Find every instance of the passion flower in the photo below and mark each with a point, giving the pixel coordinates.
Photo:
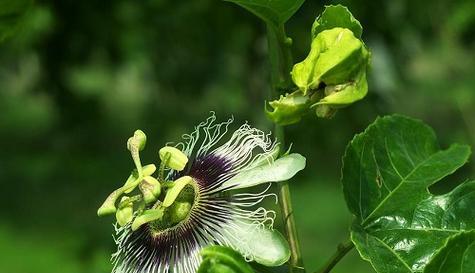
(198, 205)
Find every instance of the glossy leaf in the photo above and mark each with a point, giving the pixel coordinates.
(221, 259)
(399, 225)
(336, 16)
(275, 12)
(458, 256)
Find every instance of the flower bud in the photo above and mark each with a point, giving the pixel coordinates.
(125, 212)
(336, 57)
(150, 188)
(173, 158)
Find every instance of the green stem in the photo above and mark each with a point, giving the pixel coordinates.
(281, 65)
(342, 250)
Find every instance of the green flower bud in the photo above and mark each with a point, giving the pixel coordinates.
(336, 57)
(289, 109)
(125, 212)
(173, 158)
(150, 188)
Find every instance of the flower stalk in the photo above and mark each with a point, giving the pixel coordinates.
(281, 63)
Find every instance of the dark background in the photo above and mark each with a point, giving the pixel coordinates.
(78, 77)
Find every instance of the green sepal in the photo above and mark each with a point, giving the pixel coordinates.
(336, 16)
(336, 57)
(221, 259)
(343, 94)
(288, 109)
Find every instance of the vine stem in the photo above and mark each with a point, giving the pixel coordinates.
(281, 64)
(341, 251)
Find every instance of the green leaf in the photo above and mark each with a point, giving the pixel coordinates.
(221, 259)
(275, 12)
(387, 169)
(458, 256)
(336, 16)
(281, 169)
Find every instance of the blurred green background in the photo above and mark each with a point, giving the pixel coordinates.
(77, 77)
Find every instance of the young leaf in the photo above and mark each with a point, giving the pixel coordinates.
(274, 12)
(458, 256)
(387, 169)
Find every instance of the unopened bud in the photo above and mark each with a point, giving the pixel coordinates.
(336, 57)
(173, 158)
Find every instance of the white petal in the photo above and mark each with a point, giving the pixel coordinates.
(265, 246)
(282, 169)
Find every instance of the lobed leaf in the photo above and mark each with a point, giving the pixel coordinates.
(399, 224)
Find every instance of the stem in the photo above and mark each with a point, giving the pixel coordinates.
(341, 251)
(281, 65)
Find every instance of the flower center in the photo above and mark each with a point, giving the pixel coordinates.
(177, 213)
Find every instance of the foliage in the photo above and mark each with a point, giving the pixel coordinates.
(79, 76)
(387, 169)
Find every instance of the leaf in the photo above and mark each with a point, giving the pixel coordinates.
(387, 169)
(458, 256)
(275, 12)
(221, 259)
(336, 16)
